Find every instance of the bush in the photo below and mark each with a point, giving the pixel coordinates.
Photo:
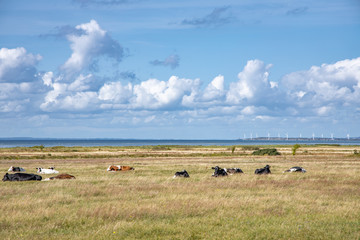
(294, 148)
(266, 151)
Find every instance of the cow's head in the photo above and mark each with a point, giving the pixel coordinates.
(6, 177)
(267, 166)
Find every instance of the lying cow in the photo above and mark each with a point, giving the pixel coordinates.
(233, 170)
(50, 170)
(16, 169)
(296, 169)
(184, 174)
(21, 177)
(219, 172)
(265, 170)
(114, 168)
(61, 176)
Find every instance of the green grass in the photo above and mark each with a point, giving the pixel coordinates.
(149, 204)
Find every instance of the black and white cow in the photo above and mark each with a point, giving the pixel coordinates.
(50, 170)
(219, 172)
(16, 169)
(184, 174)
(296, 169)
(21, 177)
(265, 170)
(233, 170)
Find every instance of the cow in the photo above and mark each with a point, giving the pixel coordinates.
(296, 169)
(233, 170)
(50, 170)
(265, 170)
(21, 177)
(114, 168)
(61, 176)
(16, 169)
(184, 174)
(219, 172)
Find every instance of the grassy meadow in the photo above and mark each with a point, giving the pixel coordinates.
(148, 203)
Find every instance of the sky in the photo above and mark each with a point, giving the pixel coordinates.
(191, 69)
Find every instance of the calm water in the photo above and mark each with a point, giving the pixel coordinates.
(122, 142)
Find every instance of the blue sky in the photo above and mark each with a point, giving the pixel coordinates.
(190, 69)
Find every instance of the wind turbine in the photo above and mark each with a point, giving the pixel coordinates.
(348, 136)
(332, 136)
(268, 136)
(313, 135)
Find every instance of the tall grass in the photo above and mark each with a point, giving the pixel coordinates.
(149, 204)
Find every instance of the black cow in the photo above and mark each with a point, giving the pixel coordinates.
(219, 172)
(296, 169)
(233, 170)
(265, 170)
(21, 177)
(184, 174)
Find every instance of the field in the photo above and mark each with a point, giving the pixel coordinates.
(148, 203)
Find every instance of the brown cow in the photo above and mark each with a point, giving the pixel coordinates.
(61, 176)
(114, 168)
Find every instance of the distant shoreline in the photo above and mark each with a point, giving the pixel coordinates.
(52, 142)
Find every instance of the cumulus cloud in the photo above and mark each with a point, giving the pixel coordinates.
(215, 90)
(155, 94)
(171, 61)
(115, 92)
(318, 92)
(337, 83)
(253, 84)
(89, 43)
(219, 16)
(16, 65)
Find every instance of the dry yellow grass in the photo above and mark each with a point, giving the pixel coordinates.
(149, 204)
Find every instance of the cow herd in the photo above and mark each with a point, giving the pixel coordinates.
(20, 176)
(218, 172)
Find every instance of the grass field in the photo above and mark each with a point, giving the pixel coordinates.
(148, 203)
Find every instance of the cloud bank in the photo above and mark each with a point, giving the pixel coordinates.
(321, 91)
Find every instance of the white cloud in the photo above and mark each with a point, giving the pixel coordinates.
(337, 83)
(249, 110)
(155, 94)
(91, 43)
(16, 65)
(252, 85)
(323, 111)
(215, 89)
(116, 92)
(81, 83)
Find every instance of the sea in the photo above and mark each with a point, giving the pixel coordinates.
(31, 142)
